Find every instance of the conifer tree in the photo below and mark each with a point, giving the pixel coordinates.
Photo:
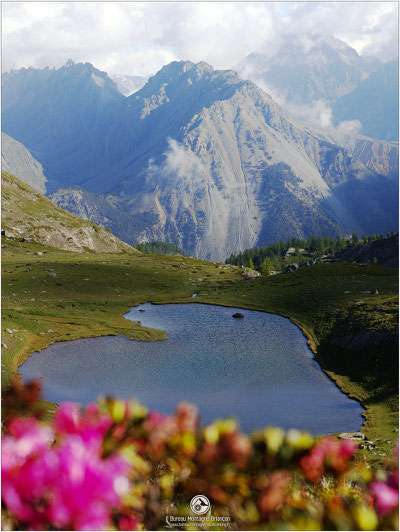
(266, 267)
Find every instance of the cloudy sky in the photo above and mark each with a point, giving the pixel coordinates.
(138, 38)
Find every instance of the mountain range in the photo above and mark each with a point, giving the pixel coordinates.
(198, 157)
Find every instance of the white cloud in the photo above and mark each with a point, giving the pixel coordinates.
(139, 38)
(179, 162)
(369, 27)
(350, 126)
(318, 113)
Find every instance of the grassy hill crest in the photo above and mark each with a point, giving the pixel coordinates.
(27, 214)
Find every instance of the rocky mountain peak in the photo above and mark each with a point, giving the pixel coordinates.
(186, 73)
(182, 89)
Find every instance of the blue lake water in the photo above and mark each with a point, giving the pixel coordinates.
(258, 369)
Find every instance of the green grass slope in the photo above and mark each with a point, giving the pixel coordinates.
(27, 214)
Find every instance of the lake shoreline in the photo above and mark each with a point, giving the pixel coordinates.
(209, 322)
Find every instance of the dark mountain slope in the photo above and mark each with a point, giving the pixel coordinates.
(63, 117)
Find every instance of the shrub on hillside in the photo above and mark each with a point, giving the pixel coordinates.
(116, 465)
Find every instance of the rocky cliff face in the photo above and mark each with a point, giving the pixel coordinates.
(17, 160)
(29, 215)
(203, 159)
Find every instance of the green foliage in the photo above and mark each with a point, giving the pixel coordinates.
(266, 267)
(157, 247)
(300, 251)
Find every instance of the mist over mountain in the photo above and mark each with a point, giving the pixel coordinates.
(198, 157)
(307, 68)
(324, 81)
(128, 85)
(375, 102)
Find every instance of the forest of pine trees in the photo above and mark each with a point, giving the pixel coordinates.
(304, 251)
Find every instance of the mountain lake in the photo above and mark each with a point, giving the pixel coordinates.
(258, 369)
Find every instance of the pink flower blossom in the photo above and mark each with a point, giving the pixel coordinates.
(66, 485)
(329, 453)
(91, 427)
(386, 493)
(128, 523)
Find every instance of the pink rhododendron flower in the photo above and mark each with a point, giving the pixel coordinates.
(128, 523)
(155, 418)
(91, 427)
(23, 467)
(68, 484)
(386, 493)
(327, 453)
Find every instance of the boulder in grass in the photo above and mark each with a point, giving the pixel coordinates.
(352, 436)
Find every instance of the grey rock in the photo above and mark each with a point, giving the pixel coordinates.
(248, 273)
(351, 436)
(52, 274)
(292, 267)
